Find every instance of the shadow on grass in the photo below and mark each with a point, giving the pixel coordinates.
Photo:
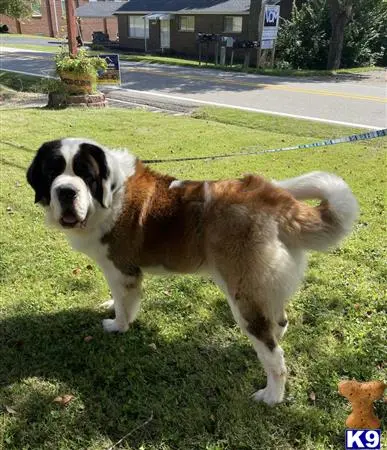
(194, 379)
(189, 385)
(118, 380)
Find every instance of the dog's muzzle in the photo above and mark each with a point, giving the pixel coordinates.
(67, 196)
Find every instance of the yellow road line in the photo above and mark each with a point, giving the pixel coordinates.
(260, 85)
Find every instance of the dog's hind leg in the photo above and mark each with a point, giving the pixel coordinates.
(257, 293)
(262, 332)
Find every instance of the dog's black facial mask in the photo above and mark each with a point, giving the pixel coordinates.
(45, 167)
(90, 164)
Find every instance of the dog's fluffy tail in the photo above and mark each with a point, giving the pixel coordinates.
(326, 225)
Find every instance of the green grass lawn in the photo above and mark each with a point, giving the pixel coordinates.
(35, 47)
(29, 36)
(52, 48)
(184, 363)
(151, 59)
(20, 82)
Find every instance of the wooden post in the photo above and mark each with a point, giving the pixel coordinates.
(246, 63)
(259, 53)
(145, 38)
(222, 55)
(18, 26)
(71, 27)
(49, 18)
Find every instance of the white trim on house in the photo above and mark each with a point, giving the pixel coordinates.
(159, 16)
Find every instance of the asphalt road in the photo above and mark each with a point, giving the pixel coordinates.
(10, 39)
(359, 100)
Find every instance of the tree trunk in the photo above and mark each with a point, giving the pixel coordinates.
(340, 13)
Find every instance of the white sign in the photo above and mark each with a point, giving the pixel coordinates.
(270, 22)
(267, 44)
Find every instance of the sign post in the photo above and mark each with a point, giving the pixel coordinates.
(269, 31)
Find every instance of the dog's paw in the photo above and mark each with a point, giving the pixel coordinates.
(112, 326)
(268, 396)
(109, 305)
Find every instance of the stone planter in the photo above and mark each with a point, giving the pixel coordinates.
(91, 100)
(85, 100)
(79, 83)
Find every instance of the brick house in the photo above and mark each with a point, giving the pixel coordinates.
(173, 25)
(49, 19)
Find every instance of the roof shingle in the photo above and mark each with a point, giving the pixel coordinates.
(98, 9)
(186, 6)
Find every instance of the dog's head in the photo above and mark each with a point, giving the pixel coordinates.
(73, 179)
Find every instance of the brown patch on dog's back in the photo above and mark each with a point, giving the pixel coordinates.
(158, 226)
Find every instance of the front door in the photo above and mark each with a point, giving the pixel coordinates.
(165, 33)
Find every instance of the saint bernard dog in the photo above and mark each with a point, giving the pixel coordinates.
(249, 235)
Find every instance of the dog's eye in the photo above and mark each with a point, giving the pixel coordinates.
(89, 179)
(50, 174)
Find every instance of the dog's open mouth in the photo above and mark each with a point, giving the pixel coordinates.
(70, 220)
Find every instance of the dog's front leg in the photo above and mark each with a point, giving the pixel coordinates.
(126, 292)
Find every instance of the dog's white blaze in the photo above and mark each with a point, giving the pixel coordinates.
(82, 202)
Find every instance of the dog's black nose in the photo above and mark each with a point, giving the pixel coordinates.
(66, 194)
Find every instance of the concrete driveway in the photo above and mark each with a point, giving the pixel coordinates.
(358, 100)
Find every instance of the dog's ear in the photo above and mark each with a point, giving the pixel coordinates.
(40, 174)
(35, 178)
(98, 165)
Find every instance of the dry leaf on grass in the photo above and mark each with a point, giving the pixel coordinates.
(88, 338)
(76, 271)
(63, 400)
(10, 410)
(312, 396)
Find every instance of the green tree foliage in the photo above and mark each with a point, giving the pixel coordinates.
(366, 34)
(303, 41)
(18, 9)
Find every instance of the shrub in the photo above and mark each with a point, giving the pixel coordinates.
(97, 47)
(79, 64)
(303, 40)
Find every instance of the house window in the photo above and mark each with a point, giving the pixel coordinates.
(136, 27)
(63, 4)
(36, 8)
(233, 24)
(187, 23)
